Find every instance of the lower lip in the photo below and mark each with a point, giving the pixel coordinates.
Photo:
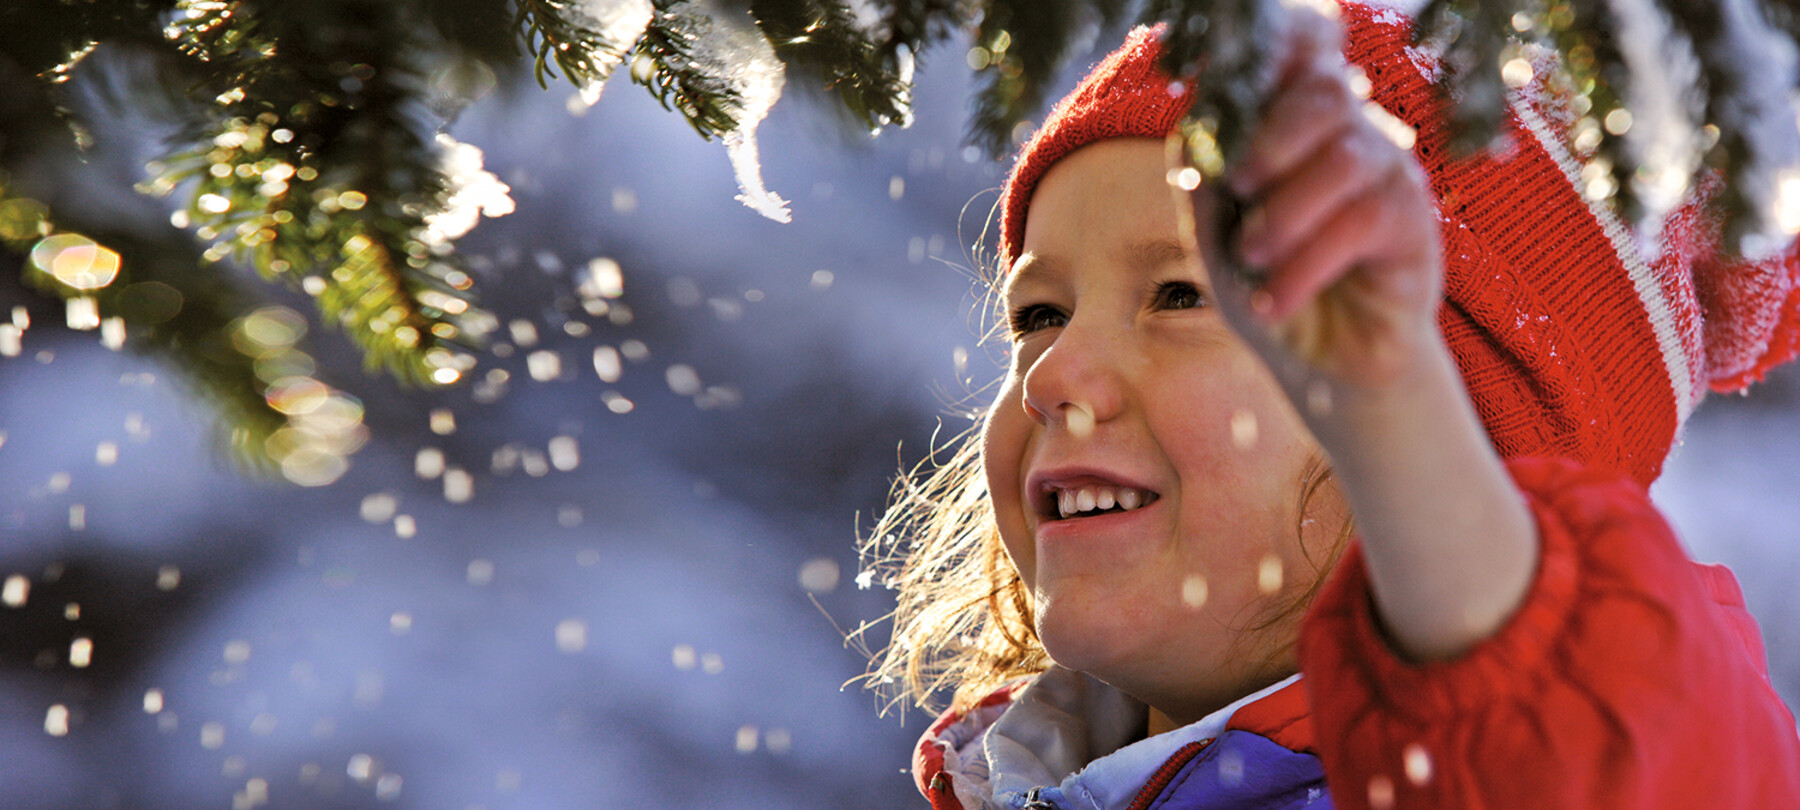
(1098, 527)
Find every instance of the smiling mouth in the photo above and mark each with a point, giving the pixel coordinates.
(1091, 501)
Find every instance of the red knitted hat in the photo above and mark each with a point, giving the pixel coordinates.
(1570, 340)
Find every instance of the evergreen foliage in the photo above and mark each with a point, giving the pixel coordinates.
(820, 38)
(554, 31)
(314, 169)
(666, 63)
(309, 146)
(168, 309)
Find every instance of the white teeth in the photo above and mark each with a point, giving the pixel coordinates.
(1071, 502)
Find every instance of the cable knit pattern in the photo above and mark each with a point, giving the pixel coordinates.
(1620, 682)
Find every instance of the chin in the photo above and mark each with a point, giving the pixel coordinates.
(1124, 640)
(1102, 639)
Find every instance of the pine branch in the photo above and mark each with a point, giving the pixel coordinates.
(478, 29)
(1733, 112)
(561, 31)
(667, 63)
(917, 25)
(164, 310)
(311, 162)
(820, 37)
(1229, 44)
(1020, 45)
(1474, 37)
(1723, 111)
(48, 39)
(313, 172)
(1482, 42)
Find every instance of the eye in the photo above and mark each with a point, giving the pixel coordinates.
(1032, 317)
(1179, 295)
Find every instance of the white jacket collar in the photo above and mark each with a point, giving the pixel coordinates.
(1068, 730)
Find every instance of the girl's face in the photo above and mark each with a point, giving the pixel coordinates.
(1128, 390)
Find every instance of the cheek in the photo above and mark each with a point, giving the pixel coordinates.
(1003, 437)
(1209, 428)
(1239, 459)
(1223, 415)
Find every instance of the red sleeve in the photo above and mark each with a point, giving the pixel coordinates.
(1630, 677)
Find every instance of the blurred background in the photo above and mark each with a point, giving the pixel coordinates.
(614, 571)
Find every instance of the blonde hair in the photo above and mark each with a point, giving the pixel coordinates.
(963, 620)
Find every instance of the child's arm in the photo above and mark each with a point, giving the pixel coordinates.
(1630, 677)
(1340, 218)
(1588, 662)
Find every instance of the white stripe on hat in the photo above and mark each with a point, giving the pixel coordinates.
(1657, 307)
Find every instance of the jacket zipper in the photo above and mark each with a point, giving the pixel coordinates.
(1154, 787)
(1166, 774)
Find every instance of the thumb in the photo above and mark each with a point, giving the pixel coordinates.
(1215, 215)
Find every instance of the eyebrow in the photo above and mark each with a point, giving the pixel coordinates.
(1152, 254)
(1146, 255)
(1026, 268)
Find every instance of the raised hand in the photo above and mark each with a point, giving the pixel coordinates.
(1333, 231)
(1322, 249)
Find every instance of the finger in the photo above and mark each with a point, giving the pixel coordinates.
(1412, 243)
(1340, 244)
(1293, 206)
(1297, 121)
(1315, 42)
(1312, 49)
(1215, 214)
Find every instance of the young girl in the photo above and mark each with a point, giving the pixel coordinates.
(1138, 576)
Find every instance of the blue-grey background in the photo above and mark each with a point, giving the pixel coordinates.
(346, 666)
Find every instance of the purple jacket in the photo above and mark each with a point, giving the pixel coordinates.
(1059, 742)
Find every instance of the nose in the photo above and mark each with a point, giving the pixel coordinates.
(1077, 382)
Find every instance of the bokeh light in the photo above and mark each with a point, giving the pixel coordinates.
(76, 261)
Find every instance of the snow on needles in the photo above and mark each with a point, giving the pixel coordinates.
(727, 45)
(1666, 133)
(1765, 62)
(618, 21)
(734, 49)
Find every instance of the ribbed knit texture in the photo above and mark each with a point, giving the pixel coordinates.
(1570, 341)
(1125, 96)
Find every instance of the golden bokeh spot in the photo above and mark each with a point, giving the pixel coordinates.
(271, 328)
(76, 261)
(297, 395)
